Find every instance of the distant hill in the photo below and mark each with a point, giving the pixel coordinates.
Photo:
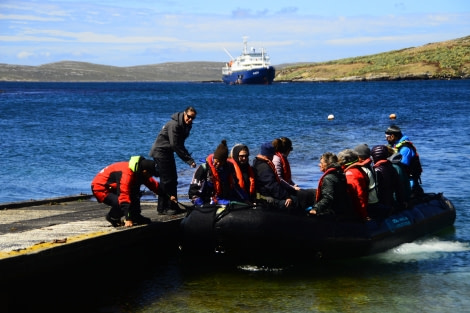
(70, 71)
(441, 60)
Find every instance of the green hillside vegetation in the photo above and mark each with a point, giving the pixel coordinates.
(442, 60)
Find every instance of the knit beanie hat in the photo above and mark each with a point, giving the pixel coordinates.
(379, 153)
(267, 149)
(362, 151)
(148, 165)
(221, 153)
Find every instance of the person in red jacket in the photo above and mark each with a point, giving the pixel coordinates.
(358, 182)
(118, 185)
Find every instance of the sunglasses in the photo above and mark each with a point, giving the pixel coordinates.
(191, 117)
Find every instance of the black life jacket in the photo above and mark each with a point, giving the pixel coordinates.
(414, 169)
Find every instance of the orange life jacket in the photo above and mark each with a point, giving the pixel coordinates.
(217, 182)
(271, 164)
(286, 173)
(241, 181)
(320, 182)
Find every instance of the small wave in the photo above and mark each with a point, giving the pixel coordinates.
(420, 250)
(257, 268)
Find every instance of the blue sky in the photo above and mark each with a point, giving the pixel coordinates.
(127, 33)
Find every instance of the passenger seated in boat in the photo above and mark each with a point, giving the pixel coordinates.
(240, 158)
(268, 185)
(215, 181)
(283, 147)
(363, 155)
(389, 188)
(402, 144)
(331, 196)
(358, 182)
(395, 158)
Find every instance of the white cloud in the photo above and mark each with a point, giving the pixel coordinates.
(24, 54)
(143, 32)
(32, 18)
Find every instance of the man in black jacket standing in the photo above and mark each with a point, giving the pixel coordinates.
(169, 141)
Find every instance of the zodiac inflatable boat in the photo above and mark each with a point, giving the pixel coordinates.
(246, 232)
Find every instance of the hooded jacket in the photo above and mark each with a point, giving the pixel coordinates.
(244, 172)
(171, 139)
(124, 179)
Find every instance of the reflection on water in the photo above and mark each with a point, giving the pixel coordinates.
(413, 277)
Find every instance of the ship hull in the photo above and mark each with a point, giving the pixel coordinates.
(259, 76)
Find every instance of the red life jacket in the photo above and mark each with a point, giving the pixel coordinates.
(376, 164)
(320, 182)
(271, 164)
(286, 173)
(217, 182)
(241, 181)
(358, 188)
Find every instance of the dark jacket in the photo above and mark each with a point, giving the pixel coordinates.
(203, 184)
(389, 188)
(401, 170)
(171, 139)
(332, 195)
(267, 182)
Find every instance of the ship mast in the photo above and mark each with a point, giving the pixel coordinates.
(245, 44)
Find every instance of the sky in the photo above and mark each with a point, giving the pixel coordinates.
(144, 32)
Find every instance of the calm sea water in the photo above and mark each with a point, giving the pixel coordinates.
(57, 136)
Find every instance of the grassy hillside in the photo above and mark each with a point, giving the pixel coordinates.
(441, 60)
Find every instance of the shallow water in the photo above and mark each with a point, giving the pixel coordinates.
(427, 276)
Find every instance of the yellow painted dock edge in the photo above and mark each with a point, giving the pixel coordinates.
(51, 244)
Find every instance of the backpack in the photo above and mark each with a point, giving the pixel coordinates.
(415, 169)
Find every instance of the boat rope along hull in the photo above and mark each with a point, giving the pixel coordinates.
(246, 232)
